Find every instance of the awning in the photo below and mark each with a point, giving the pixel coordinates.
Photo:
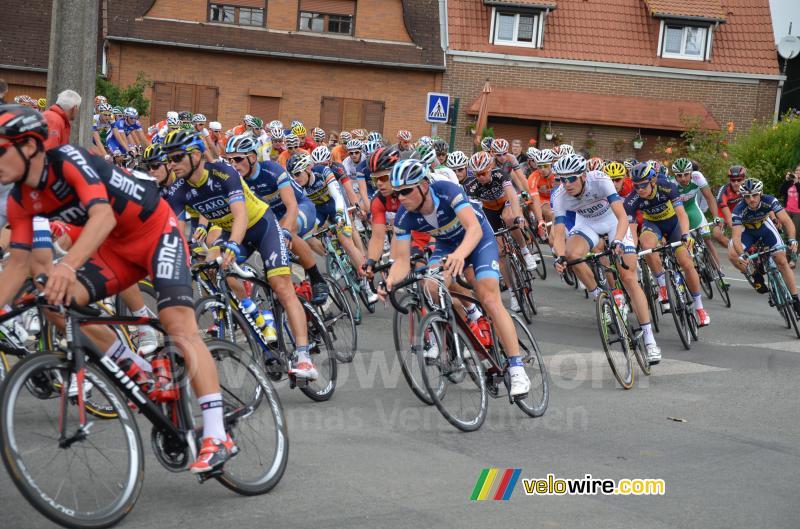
(595, 109)
(692, 9)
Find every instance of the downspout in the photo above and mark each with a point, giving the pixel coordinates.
(775, 116)
(444, 35)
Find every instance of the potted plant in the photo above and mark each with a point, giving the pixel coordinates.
(638, 141)
(548, 132)
(471, 129)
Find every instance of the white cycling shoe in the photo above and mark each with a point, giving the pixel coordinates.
(148, 340)
(530, 262)
(514, 303)
(520, 383)
(653, 353)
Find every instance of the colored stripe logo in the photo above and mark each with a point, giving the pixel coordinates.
(496, 484)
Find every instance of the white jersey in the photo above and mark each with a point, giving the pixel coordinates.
(699, 179)
(593, 203)
(446, 174)
(350, 168)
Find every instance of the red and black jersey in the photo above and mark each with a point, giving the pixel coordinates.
(72, 182)
(727, 197)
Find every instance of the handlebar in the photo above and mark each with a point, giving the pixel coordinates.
(592, 256)
(660, 249)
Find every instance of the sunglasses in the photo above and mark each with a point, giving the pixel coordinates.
(403, 192)
(153, 166)
(4, 147)
(544, 165)
(754, 195)
(237, 159)
(736, 180)
(176, 158)
(642, 185)
(565, 179)
(351, 153)
(381, 178)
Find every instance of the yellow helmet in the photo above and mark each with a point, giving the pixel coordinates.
(615, 170)
(42, 103)
(299, 131)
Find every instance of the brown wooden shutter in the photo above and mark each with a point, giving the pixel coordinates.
(332, 7)
(163, 100)
(330, 114)
(207, 98)
(266, 108)
(352, 114)
(260, 4)
(373, 116)
(184, 97)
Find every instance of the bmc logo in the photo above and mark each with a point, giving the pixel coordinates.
(126, 185)
(168, 257)
(73, 215)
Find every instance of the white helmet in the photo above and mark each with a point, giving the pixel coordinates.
(531, 153)
(457, 160)
(215, 125)
(321, 155)
(172, 114)
(565, 149)
(570, 164)
(544, 156)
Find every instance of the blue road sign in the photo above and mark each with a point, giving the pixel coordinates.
(438, 107)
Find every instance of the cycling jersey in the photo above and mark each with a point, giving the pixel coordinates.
(727, 197)
(267, 181)
(507, 163)
(339, 153)
(543, 186)
(491, 194)
(660, 206)
(383, 211)
(364, 177)
(284, 156)
(752, 219)
(308, 144)
(102, 128)
(688, 195)
(339, 172)
(125, 127)
(219, 187)
(323, 188)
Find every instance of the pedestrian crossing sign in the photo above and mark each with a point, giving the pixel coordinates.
(438, 107)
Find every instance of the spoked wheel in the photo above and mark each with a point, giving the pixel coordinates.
(528, 291)
(465, 400)
(516, 286)
(638, 346)
(677, 308)
(792, 318)
(615, 338)
(338, 318)
(569, 278)
(404, 328)
(536, 250)
(215, 320)
(692, 323)
(322, 351)
(719, 281)
(535, 404)
(96, 478)
(254, 417)
(650, 287)
(706, 279)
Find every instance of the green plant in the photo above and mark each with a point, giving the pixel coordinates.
(130, 96)
(705, 146)
(487, 132)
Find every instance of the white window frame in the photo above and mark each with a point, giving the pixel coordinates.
(538, 29)
(662, 35)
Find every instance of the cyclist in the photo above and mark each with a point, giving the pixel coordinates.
(540, 183)
(691, 186)
(295, 212)
(306, 143)
(292, 144)
(354, 166)
(508, 164)
(598, 211)
(728, 198)
(752, 223)
(125, 132)
(441, 148)
(322, 156)
(465, 237)
(339, 153)
(321, 187)
(101, 128)
(128, 233)
(404, 145)
(319, 136)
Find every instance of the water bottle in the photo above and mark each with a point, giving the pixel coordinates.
(619, 298)
(250, 308)
(163, 372)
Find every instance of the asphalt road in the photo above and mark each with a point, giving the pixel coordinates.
(374, 456)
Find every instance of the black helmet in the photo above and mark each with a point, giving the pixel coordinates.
(440, 146)
(182, 140)
(383, 159)
(298, 163)
(185, 115)
(737, 172)
(18, 122)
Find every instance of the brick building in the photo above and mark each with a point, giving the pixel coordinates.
(599, 72)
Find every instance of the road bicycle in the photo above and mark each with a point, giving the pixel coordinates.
(760, 261)
(520, 279)
(711, 276)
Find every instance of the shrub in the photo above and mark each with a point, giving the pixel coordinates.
(130, 96)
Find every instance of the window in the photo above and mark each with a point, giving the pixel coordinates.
(684, 42)
(338, 113)
(516, 29)
(324, 23)
(244, 13)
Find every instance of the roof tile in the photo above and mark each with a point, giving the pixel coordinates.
(708, 9)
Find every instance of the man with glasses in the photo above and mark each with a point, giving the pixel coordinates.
(404, 146)
(664, 217)
(752, 223)
(101, 129)
(355, 166)
(598, 211)
(292, 147)
(465, 237)
(508, 163)
(339, 152)
(540, 184)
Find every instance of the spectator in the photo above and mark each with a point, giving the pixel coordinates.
(3, 90)
(789, 193)
(59, 118)
(516, 150)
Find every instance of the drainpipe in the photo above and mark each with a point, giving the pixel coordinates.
(443, 34)
(775, 116)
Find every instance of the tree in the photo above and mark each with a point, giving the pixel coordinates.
(130, 96)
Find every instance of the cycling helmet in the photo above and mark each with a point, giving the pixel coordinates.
(408, 173)
(298, 163)
(662, 170)
(480, 161)
(295, 123)
(565, 149)
(424, 140)
(371, 146)
(258, 123)
(751, 186)
(98, 100)
(173, 114)
(355, 146)
(361, 134)
(643, 171)
(615, 170)
(131, 112)
(275, 124)
(319, 135)
(243, 144)
(185, 115)
(299, 131)
(215, 125)
(570, 164)
(250, 121)
(656, 165)
(183, 140)
(276, 133)
(292, 141)
(345, 136)
(736, 172)
(199, 118)
(486, 143)
(531, 153)
(425, 154)
(117, 111)
(383, 159)
(375, 136)
(440, 146)
(153, 153)
(321, 155)
(41, 103)
(629, 163)
(500, 146)
(545, 156)
(18, 122)
(682, 165)
(404, 135)
(594, 164)
(104, 108)
(457, 160)
(173, 122)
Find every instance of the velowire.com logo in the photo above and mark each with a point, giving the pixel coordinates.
(496, 484)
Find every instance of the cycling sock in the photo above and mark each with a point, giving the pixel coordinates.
(525, 250)
(662, 281)
(515, 361)
(119, 352)
(647, 333)
(698, 301)
(213, 426)
(314, 275)
(473, 312)
(301, 353)
(595, 292)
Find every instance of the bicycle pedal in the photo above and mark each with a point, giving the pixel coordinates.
(516, 398)
(205, 476)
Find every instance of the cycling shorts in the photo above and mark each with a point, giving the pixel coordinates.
(495, 218)
(158, 250)
(113, 145)
(327, 213)
(306, 216)
(591, 230)
(266, 238)
(767, 234)
(669, 228)
(484, 259)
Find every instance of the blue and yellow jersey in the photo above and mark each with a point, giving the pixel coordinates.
(753, 219)
(659, 206)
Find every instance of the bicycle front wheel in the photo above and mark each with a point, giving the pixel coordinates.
(677, 308)
(535, 404)
(541, 267)
(92, 477)
(404, 329)
(338, 318)
(450, 359)
(616, 342)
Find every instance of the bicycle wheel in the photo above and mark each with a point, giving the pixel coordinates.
(338, 318)
(650, 288)
(705, 276)
(536, 250)
(322, 352)
(637, 342)
(404, 327)
(93, 481)
(254, 416)
(718, 279)
(535, 404)
(465, 400)
(616, 342)
(516, 286)
(529, 297)
(216, 320)
(677, 308)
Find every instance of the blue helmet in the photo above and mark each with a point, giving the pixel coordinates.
(408, 173)
(643, 171)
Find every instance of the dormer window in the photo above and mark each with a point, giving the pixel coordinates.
(520, 28)
(684, 41)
